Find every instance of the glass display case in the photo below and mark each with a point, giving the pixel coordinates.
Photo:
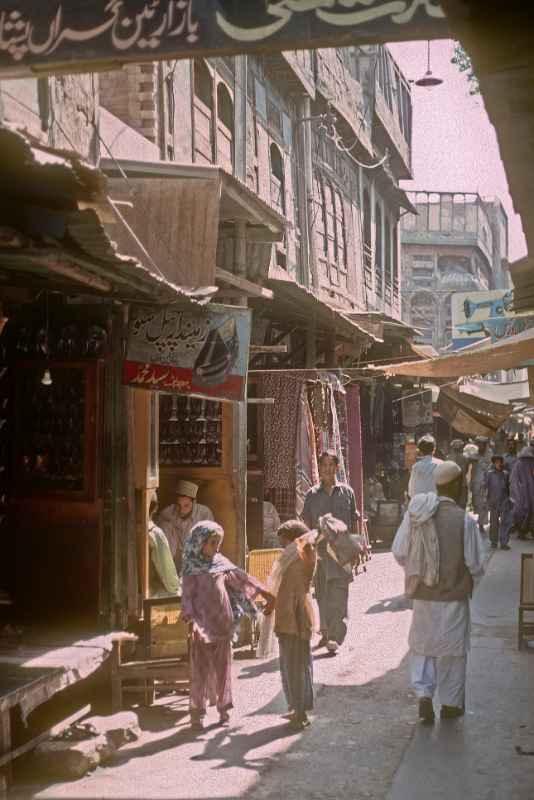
(190, 431)
(55, 429)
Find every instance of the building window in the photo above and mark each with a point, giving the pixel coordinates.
(367, 241)
(395, 249)
(203, 113)
(274, 118)
(225, 128)
(278, 192)
(388, 267)
(169, 98)
(379, 256)
(331, 233)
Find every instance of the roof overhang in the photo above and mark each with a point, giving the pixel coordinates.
(51, 204)
(237, 201)
(389, 326)
(486, 357)
(300, 303)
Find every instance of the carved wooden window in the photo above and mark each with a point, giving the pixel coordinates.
(278, 189)
(203, 113)
(225, 128)
(379, 255)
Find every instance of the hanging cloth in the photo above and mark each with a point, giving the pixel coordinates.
(307, 473)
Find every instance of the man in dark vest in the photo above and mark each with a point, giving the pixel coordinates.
(439, 634)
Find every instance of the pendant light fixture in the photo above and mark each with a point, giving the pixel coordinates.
(46, 380)
(428, 81)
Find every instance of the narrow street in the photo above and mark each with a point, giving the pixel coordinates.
(364, 742)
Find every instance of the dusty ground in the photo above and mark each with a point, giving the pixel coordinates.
(363, 742)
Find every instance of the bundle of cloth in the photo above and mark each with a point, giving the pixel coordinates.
(422, 565)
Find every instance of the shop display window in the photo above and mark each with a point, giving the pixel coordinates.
(55, 429)
(190, 431)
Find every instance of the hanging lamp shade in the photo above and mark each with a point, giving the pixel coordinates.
(429, 80)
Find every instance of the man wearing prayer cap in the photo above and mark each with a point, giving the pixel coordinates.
(177, 519)
(421, 477)
(439, 633)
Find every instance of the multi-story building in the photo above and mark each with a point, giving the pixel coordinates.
(457, 242)
(304, 132)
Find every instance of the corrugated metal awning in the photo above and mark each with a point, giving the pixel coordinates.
(51, 234)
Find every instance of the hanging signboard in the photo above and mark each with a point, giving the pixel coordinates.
(202, 352)
(51, 35)
(416, 410)
(471, 311)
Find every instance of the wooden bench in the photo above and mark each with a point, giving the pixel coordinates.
(164, 654)
(526, 599)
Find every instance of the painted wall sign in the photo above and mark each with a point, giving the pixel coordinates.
(51, 35)
(203, 352)
(471, 311)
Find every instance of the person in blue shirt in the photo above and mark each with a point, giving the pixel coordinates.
(497, 486)
(332, 580)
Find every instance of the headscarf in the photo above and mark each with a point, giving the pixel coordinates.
(194, 562)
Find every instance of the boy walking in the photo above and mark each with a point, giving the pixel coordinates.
(497, 483)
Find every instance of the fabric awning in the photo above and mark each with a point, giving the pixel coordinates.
(506, 354)
(471, 415)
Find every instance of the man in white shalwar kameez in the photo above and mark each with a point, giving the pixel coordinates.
(440, 630)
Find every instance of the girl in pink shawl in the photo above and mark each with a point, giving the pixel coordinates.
(215, 595)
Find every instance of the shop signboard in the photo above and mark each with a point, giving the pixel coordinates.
(179, 351)
(417, 410)
(471, 312)
(53, 35)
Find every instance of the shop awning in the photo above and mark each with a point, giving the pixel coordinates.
(522, 274)
(506, 354)
(378, 323)
(51, 234)
(189, 217)
(301, 303)
(471, 415)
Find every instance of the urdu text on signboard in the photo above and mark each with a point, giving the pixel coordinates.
(52, 35)
(202, 352)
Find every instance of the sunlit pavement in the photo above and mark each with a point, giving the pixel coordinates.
(363, 739)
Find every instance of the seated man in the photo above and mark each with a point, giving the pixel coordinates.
(163, 578)
(177, 519)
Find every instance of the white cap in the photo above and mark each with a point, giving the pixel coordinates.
(446, 472)
(187, 489)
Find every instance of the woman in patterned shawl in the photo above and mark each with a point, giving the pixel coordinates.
(215, 595)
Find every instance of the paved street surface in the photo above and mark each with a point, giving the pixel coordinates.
(364, 742)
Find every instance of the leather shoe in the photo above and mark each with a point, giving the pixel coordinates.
(426, 710)
(451, 712)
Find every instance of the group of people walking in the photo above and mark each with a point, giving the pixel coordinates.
(320, 550)
(441, 546)
(500, 487)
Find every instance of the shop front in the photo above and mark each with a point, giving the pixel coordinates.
(68, 426)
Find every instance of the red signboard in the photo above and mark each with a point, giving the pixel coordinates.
(179, 351)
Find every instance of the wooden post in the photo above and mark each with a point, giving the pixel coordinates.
(5, 748)
(311, 344)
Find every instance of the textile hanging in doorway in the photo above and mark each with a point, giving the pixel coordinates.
(280, 430)
(307, 474)
(354, 430)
